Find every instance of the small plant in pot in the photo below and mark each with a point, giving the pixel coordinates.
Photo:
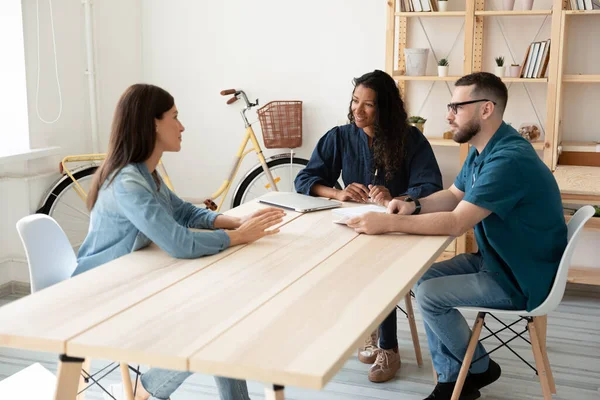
(443, 67)
(443, 5)
(499, 66)
(514, 70)
(418, 122)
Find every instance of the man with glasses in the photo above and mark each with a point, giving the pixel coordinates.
(512, 200)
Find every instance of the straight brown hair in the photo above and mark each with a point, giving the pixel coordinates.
(133, 132)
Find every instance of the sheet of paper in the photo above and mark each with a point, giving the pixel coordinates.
(342, 215)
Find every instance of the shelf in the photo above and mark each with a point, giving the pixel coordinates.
(582, 147)
(401, 77)
(582, 12)
(585, 275)
(509, 13)
(438, 141)
(525, 80)
(580, 78)
(576, 180)
(593, 223)
(431, 14)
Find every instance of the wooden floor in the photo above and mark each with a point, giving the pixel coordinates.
(573, 348)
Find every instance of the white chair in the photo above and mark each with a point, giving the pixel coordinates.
(51, 260)
(536, 319)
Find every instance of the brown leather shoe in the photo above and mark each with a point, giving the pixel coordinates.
(387, 363)
(366, 354)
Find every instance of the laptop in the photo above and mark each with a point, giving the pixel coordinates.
(299, 202)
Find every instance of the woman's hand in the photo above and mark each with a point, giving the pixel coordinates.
(256, 227)
(353, 192)
(258, 213)
(380, 195)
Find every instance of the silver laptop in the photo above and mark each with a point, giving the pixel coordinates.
(299, 202)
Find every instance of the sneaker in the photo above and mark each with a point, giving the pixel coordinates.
(366, 354)
(443, 391)
(485, 378)
(387, 363)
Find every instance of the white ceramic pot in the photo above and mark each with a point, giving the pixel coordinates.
(442, 70)
(514, 71)
(416, 61)
(443, 5)
(499, 71)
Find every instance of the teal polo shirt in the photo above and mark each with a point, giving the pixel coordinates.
(523, 239)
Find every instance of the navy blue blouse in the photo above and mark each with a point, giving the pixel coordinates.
(345, 149)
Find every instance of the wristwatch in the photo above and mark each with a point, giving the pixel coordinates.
(417, 204)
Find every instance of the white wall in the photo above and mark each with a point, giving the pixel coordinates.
(118, 56)
(275, 50)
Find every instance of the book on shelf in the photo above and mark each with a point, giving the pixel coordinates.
(418, 5)
(535, 63)
(584, 5)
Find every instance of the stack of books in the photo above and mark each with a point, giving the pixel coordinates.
(536, 59)
(584, 4)
(419, 5)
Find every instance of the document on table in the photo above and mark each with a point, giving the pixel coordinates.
(342, 215)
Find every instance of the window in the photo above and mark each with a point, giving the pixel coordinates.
(14, 124)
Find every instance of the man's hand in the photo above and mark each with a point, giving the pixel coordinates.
(353, 192)
(397, 206)
(373, 223)
(380, 195)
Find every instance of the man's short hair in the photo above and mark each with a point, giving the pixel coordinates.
(487, 86)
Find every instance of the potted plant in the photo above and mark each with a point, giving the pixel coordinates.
(443, 5)
(418, 122)
(443, 67)
(514, 70)
(499, 66)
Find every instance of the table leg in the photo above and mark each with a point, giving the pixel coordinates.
(67, 380)
(274, 392)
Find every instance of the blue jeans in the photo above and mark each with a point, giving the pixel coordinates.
(462, 281)
(161, 383)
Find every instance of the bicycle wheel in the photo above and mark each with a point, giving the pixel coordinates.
(255, 183)
(64, 205)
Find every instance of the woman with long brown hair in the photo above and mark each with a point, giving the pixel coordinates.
(131, 207)
(379, 157)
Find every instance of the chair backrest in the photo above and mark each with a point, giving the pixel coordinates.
(49, 254)
(574, 227)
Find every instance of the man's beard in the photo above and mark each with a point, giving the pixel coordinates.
(468, 132)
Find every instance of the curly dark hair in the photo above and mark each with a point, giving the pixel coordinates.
(391, 126)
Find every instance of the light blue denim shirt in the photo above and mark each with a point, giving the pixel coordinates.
(131, 212)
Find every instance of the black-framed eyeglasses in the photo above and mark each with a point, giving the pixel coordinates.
(453, 107)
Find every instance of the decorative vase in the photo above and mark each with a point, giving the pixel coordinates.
(527, 4)
(443, 5)
(442, 70)
(514, 71)
(508, 4)
(416, 61)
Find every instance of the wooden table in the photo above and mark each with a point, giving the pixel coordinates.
(286, 310)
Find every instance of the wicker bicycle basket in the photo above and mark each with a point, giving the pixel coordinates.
(281, 124)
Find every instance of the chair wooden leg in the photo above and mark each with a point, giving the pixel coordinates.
(413, 329)
(82, 383)
(126, 381)
(464, 369)
(539, 361)
(541, 324)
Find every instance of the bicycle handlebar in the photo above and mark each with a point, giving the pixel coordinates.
(232, 100)
(227, 91)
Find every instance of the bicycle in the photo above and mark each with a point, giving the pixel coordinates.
(281, 123)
